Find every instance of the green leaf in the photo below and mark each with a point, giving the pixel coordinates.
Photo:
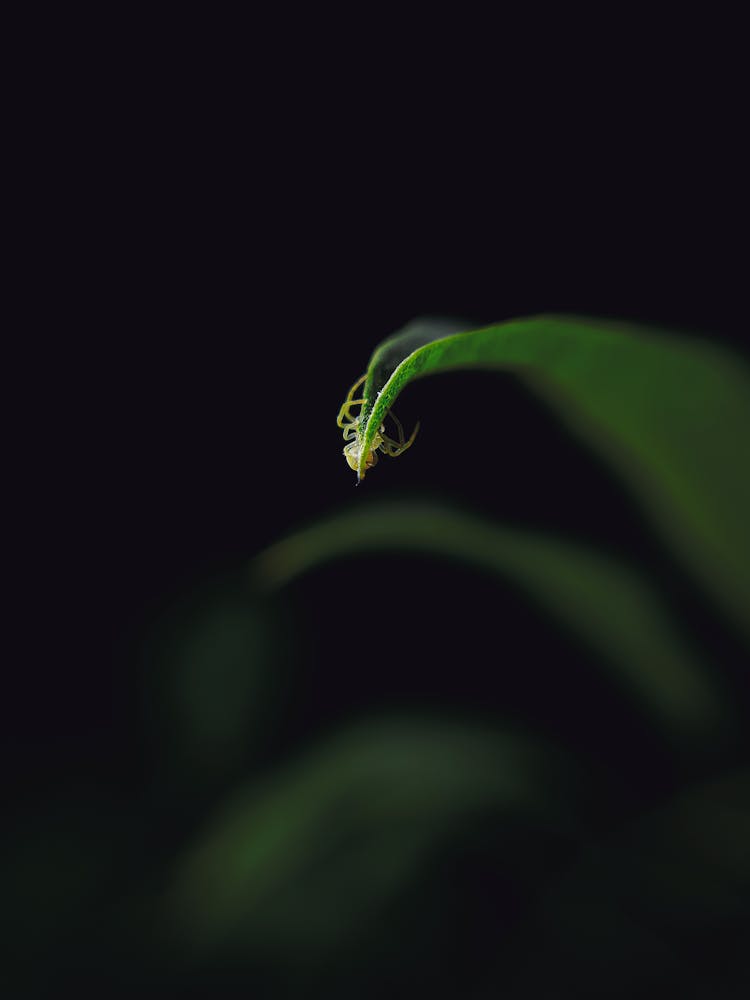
(671, 414)
(607, 604)
(302, 864)
(211, 673)
(666, 899)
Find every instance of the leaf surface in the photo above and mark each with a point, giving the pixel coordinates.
(671, 414)
(306, 860)
(608, 605)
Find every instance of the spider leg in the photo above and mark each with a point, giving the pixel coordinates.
(388, 445)
(344, 412)
(399, 427)
(356, 385)
(396, 448)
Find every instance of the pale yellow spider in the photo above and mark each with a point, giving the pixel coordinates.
(381, 442)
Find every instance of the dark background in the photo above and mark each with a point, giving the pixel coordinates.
(213, 292)
(215, 253)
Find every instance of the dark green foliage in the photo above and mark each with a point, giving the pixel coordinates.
(669, 413)
(356, 846)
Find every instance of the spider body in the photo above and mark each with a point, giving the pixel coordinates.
(350, 423)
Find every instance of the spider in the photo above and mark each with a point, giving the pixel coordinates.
(381, 442)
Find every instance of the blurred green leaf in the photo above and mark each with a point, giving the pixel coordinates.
(671, 414)
(665, 902)
(213, 668)
(301, 865)
(607, 604)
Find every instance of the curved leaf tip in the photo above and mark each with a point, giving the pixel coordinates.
(668, 412)
(366, 439)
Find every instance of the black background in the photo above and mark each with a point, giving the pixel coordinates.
(215, 249)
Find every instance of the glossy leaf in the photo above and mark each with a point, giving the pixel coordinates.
(671, 414)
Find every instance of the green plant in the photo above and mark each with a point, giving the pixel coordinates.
(463, 844)
(669, 413)
(313, 874)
